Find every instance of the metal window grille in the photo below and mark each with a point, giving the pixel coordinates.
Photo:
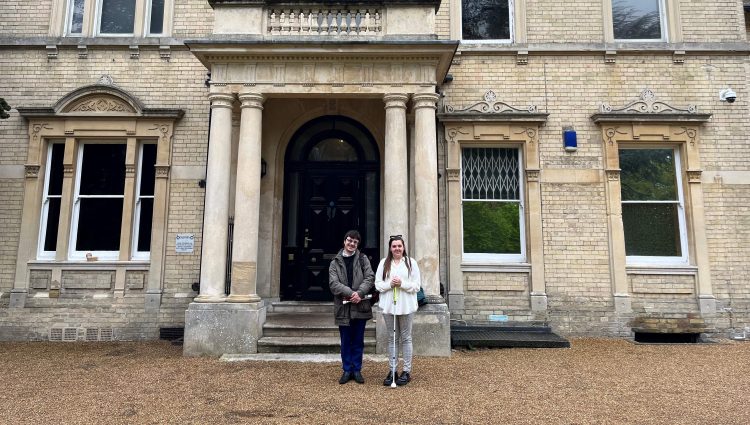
(490, 173)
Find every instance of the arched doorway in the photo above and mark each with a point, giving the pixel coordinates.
(331, 185)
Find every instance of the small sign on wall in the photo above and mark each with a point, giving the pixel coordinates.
(184, 243)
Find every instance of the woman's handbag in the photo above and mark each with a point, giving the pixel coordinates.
(420, 297)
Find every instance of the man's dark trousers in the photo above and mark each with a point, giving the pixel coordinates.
(352, 344)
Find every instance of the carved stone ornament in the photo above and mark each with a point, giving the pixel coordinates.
(102, 104)
(162, 171)
(648, 105)
(455, 131)
(68, 169)
(694, 176)
(31, 171)
(106, 80)
(130, 170)
(490, 105)
(532, 175)
(613, 175)
(454, 174)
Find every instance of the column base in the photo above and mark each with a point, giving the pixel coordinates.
(431, 331)
(18, 298)
(153, 302)
(538, 302)
(243, 298)
(623, 304)
(210, 299)
(707, 304)
(213, 329)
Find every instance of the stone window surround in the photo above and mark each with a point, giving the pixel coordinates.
(59, 19)
(649, 128)
(478, 127)
(671, 24)
(97, 112)
(518, 34)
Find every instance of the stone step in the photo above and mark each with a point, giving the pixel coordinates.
(306, 344)
(301, 307)
(305, 324)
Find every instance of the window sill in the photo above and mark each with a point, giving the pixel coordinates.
(92, 265)
(486, 267)
(661, 269)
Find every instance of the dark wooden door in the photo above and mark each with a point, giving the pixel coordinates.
(330, 187)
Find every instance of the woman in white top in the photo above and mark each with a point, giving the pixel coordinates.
(398, 281)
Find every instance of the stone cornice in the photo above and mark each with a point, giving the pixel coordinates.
(41, 112)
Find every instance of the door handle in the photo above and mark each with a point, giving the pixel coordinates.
(307, 239)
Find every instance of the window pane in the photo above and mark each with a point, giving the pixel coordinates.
(53, 220)
(490, 173)
(103, 170)
(56, 170)
(651, 229)
(636, 19)
(156, 25)
(492, 227)
(99, 222)
(648, 175)
(148, 171)
(485, 20)
(144, 224)
(76, 17)
(117, 17)
(333, 150)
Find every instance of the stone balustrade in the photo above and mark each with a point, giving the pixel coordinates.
(322, 21)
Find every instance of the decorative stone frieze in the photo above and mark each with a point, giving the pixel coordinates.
(101, 104)
(162, 171)
(613, 175)
(454, 174)
(647, 105)
(490, 105)
(694, 176)
(532, 175)
(31, 171)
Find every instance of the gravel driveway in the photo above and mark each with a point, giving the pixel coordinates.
(594, 382)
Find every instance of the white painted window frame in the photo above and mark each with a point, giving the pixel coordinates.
(135, 254)
(511, 26)
(663, 27)
(81, 255)
(42, 254)
(69, 19)
(97, 22)
(642, 260)
(485, 258)
(147, 20)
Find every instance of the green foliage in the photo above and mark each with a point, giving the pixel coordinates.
(648, 175)
(491, 227)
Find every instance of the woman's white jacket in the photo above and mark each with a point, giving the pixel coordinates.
(406, 300)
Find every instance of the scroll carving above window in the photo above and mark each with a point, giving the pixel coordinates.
(650, 109)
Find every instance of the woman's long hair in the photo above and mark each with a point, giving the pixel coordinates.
(389, 258)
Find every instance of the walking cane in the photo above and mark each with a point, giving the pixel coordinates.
(395, 347)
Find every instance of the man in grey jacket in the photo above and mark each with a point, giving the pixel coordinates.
(350, 277)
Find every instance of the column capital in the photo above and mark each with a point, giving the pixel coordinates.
(252, 100)
(221, 100)
(425, 100)
(395, 100)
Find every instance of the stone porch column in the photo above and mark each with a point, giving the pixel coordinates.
(216, 209)
(426, 246)
(395, 169)
(247, 201)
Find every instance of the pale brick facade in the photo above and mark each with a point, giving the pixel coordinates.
(562, 58)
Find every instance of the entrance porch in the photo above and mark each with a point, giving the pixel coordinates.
(296, 140)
